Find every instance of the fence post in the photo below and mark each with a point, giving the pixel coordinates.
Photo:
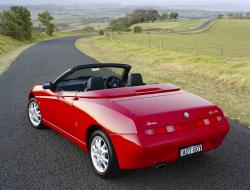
(176, 47)
(162, 44)
(149, 43)
(221, 52)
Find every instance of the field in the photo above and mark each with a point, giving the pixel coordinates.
(223, 80)
(227, 37)
(170, 26)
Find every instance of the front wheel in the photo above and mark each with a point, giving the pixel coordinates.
(103, 157)
(34, 114)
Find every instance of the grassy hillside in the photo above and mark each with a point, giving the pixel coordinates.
(7, 43)
(231, 35)
(223, 80)
(10, 48)
(170, 26)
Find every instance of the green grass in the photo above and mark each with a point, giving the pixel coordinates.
(231, 35)
(170, 26)
(7, 58)
(7, 43)
(223, 80)
(10, 48)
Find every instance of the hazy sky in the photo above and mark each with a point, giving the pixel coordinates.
(243, 5)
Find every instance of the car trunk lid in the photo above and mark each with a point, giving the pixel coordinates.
(157, 110)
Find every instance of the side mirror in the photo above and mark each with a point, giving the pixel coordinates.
(48, 85)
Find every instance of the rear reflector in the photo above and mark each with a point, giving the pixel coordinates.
(206, 121)
(170, 128)
(149, 131)
(219, 118)
(155, 131)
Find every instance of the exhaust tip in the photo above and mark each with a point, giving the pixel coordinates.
(160, 165)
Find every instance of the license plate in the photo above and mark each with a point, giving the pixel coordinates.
(191, 150)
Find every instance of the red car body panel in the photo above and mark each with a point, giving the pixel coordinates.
(125, 114)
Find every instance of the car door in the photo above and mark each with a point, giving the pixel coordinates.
(57, 109)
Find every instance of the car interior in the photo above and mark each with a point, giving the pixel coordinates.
(91, 83)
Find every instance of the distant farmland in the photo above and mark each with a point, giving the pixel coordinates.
(227, 37)
(169, 26)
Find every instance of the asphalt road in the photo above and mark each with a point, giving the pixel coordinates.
(42, 159)
(200, 27)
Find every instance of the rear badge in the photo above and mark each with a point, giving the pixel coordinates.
(186, 115)
(149, 123)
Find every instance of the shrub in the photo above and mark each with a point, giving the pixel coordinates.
(101, 32)
(16, 23)
(137, 29)
(46, 20)
(108, 29)
(50, 29)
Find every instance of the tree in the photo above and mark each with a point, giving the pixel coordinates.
(121, 24)
(101, 32)
(220, 16)
(16, 23)
(236, 16)
(173, 16)
(153, 15)
(1, 22)
(137, 29)
(50, 29)
(164, 16)
(46, 20)
(137, 16)
(143, 15)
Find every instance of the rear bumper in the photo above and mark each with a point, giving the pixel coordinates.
(138, 150)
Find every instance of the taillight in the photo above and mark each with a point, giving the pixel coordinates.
(183, 126)
(170, 128)
(155, 131)
(149, 131)
(219, 118)
(206, 121)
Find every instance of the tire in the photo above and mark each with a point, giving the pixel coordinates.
(36, 123)
(112, 169)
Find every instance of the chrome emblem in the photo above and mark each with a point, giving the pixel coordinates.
(186, 115)
(149, 123)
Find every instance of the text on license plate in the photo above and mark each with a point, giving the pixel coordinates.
(190, 150)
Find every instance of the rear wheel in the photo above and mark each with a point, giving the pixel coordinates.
(34, 114)
(103, 157)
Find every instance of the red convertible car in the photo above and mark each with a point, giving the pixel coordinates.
(122, 122)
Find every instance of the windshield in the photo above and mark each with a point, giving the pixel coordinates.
(95, 72)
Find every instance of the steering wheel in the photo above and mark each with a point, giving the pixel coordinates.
(112, 82)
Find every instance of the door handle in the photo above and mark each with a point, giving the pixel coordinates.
(60, 97)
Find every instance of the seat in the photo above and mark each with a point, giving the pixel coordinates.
(95, 83)
(135, 79)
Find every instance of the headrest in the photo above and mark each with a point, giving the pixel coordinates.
(95, 83)
(135, 79)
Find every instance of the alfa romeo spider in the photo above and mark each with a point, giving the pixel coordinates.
(122, 122)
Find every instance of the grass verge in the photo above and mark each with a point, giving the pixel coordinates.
(224, 81)
(10, 48)
(7, 58)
